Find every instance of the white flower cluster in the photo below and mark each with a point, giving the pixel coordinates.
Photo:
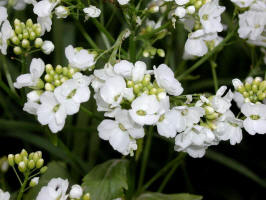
(202, 19)
(4, 195)
(251, 99)
(16, 4)
(57, 189)
(252, 22)
(65, 88)
(126, 93)
(5, 31)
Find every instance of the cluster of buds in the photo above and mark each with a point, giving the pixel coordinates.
(146, 87)
(152, 51)
(27, 36)
(3, 164)
(57, 76)
(253, 90)
(28, 163)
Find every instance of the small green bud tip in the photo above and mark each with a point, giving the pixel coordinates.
(161, 53)
(48, 68)
(31, 156)
(39, 163)
(38, 43)
(15, 40)
(87, 196)
(17, 22)
(29, 23)
(43, 169)
(32, 183)
(130, 84)
(18, 30)
(22, 167)
(153, 91)
(11, 160)
(18, 158)
(48, 78)
(59, 69)
(17, 50)
(26, 35)
(32, 35)
(146, 53)
(31, 164)
(35, 157)
(25, 43)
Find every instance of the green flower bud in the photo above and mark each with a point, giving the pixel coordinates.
(24, 153)
(153, 91)
(153, 51)
(11, 160)
(15, 40)
(248, 86)
(52, 72)
(25, 43)
(22, 167)
(212, 116)
(161, 53)
(32, 35)
(36, 157)
(146, 80)
(17, 50)
(48, 68)
(43, 169)
(18, 30)
(29, 23)
(263, 85)
(38, 43)
(209, 110)
(34, 182)
(40, 84)
(18, 158)
(137, 88)
(245, 94)
(31, 164)
(146, 53)
(31, 156)
(49, 87)
(48, 78)
(20, 36)
(17, 22)
(59, 69)
(22, 24)
(26, 35)
(262, 96)
(254, 88)
(64, 79)
(39, 163)
(130, 84)
(39, 153)
(87, 196)
(65, 71)
(57, 83)
(25, 160)
(241, 89)
(71, 72)
(56, 77)
(198, 4)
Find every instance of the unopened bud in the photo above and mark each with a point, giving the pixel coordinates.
(31, 164)
(11, 161)
(76, 192)
(43, 169)
(48, 68)
(161, 53)
(47, 47)
(29, 23)
(17, 50)
(18, 158)
(15, 40)
(25, 43)
(34, 181)
(38, 43)
(22, 167)
(39, 163)
(87, 196)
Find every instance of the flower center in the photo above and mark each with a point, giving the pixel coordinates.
(71, 94)
(121, 126)
(56, 108)
(141, 112)
(255, 117)
(205, 17)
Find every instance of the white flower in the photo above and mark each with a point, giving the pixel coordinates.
(256, 118)
(181, 2)
(124, 68)
(80, 59)
(166, 79)
(219, 102)
(5, 34)
(191, 9)
(138, 71)
(188, 116)
(123, 2)
(251, 24)
(196, 43)
(4, 195)
(46, 23)
(3, 14)
(145, 110)
(44, 8)
(210, 16)
(33, 102)
(260, 41)
(180, 12)
(47, 47)
(30, 80)
(239, 99)
(169, 124)
(55, 190)
(51, 112)
(243, 3)
(76, 192)
(121, 133)
(194, 141)
(92, 11)
(61, 12)
(35, 180)
(73, 92)
(112, 90)
(229, 128)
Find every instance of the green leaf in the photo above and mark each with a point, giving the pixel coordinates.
(160, 196)
(55, 170)
(233, 164)
(107, 181)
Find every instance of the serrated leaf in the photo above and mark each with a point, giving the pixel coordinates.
(107, 181)
(160, 196)
(55, 170)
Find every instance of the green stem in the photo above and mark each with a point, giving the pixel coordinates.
(145, 157)
(86, 35)
(163, 171)
(102, 29)
(23, 186)
(14, 169)
(214, 75)
(132, 48)
(169, 175)
(207, 56)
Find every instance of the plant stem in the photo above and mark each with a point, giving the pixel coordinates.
(132, 48)
(162, 171)
(17, 175)
(145, 157)
(207, 56)
(169, 175)
(214, 75)
(86, 35)
(23, 186)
